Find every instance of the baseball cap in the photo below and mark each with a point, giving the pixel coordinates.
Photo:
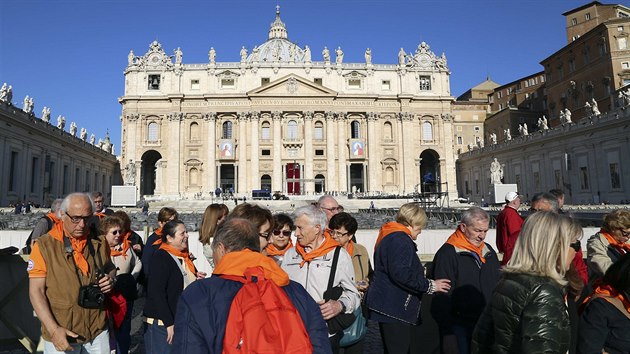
(510, 196)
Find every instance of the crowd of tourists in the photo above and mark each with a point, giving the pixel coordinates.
(269, 294)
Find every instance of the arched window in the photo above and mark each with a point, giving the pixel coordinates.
(193, 175)
(152, 132)
(227, 130)
(266, 134)
(427, 131)
(318, 132)
(389, 175)
(265, 182)
(388, 131)
(355, 128)
(194, 131)
(292, 130)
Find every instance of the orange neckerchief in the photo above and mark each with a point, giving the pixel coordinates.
(608, 293)
(158, 232)
(126, 244)
(182, 254)
(458, 240)
(390, 228)
(100, 216)
(78, 246)
(621, 247)
(235, 263)
(272, 250)
(54, 218)
(350, 247)
(326, 246)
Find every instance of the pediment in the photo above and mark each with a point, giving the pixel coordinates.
(354, 75)
(292, 86)
(228, 74)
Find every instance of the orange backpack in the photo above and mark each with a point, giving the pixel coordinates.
(262, 319)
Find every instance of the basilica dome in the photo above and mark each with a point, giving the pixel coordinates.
(278, 48)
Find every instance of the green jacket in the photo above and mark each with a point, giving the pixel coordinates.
(527, 314)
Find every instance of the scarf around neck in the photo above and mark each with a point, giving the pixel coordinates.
(323, 249)
(181, 254)
(388, 229)
(272, 250)
(458, 240)
(235, 264)
(78, 246)
(620, 247)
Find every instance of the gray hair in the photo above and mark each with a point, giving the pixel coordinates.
(549, 198)
(66, 202)
(315, 215)
(324, 198)
(236, 234)
(56, 205)
(474, 213)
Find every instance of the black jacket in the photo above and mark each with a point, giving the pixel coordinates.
(166, 284)
(527, 314)
(603, 326)
(472, 283)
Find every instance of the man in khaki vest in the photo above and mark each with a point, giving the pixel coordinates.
(62, 261)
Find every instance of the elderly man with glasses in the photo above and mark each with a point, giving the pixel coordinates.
(329, 206)
(70, 273)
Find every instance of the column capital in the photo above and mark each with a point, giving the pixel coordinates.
(342, 116)
(330, 115)
(242, 116)
(255, 115)
(405, 116)
(277, 115)
(210, 116)
(372, 117)
(308, 115)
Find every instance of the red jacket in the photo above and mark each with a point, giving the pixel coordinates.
(509, 224)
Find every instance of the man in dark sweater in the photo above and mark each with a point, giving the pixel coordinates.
(472, 267)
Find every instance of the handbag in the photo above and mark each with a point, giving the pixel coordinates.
(356, 331)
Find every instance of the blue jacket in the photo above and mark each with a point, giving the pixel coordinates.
(203, 308)
(396, 290)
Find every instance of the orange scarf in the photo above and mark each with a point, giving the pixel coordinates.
(272, 250)
(620, 247)
(458, 240)
(388, 229)
(100, 216)
(182, 254)
(158, 232)
(78, 246)
(326, 246)
(54, 218)
(125, 247)
(609, 293)
(235, 263)
(350, 247)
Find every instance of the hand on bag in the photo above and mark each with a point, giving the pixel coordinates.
(106, 284)
(442, 285)
(330, 308)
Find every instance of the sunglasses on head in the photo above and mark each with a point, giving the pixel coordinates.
(286, 233)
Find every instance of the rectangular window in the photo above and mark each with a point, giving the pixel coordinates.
(66, 179)
(266, 132)
(385, 85)
(622, 43)
(587, 16)
(12, 171)
(76, 179)
(265, 152)
(584, 178)
(318, 80)
(574, 21)
(571, 65)
(154, 82)
(625, 65)
(459, 128)
(318, 133)
(425, 83)
(319, 152)
(615, 176)
(34, 174)
(194, 84)
(87, 181)
(264, 81)
(460, 141)
(619, 28)
(227, 83)
(354, 83)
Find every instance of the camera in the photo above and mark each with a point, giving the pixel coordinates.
(91, 296)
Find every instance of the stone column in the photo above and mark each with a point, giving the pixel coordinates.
(134, 137)
(309, 186)
(372, 153)
(407, 156)
(342, 149)
(331, 176)
(160, 167)
(276, 179)
(211, 124)
(174, 169)
(242, 153)
(255, 163)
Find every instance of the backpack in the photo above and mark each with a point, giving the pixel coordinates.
(262, 319)
(27, 247)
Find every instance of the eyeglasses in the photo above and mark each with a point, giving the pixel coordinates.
(77, 219)
(624, 233)
(116, 232)
(264, 235)
(336, 233)
(285, 233)
(332, 210)
(577, 245)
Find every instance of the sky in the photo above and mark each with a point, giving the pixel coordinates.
(70, 55)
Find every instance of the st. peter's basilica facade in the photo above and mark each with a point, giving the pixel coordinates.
(283, 120)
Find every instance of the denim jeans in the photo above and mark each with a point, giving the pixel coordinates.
(155, 339)
(99, 345)
(123, 334)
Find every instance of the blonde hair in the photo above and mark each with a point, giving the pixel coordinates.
(209, 222)
(411, 214)
(543, 244)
